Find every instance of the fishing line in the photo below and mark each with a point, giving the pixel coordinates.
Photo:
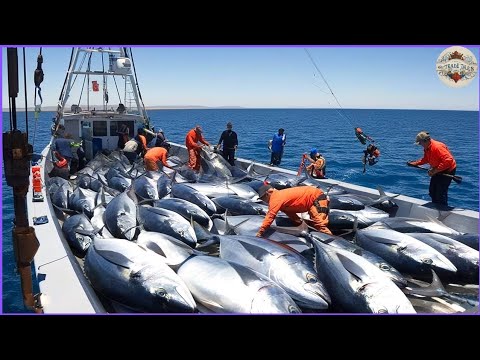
(331, 91)
(343, 113)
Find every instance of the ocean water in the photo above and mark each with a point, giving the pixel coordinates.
(332, 133)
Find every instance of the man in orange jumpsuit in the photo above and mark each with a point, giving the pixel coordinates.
(155, 155)
(191, 142)
(295, 200)
(441, 162)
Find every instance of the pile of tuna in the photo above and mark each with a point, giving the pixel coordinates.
(179, 241)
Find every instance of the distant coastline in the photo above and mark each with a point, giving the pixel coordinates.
(167, 107)
(199, 107)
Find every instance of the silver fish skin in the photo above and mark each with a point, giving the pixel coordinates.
(357, 286)
(407, 254)
(121, 217)
(78, 241)
(167, 222)
(226, 287)
(136, 277)
(283, 265)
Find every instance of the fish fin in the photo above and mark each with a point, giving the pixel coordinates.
(352, 267)
(131, 194)
(111, 256)
(436, 221)
(66, 211)
(292, 230)
(434, 289)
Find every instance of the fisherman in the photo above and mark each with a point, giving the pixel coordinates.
(158, 139)
(362, 136)
(441, 161)
(64, 146)
(370, 155)
(60, 167)
(142, 142)
(123, 135)
(295, 200)
(121, 108)
(155, 156)
(130, 150)
(317, 168)
(278, 144)
(194, 136)
(230, 144)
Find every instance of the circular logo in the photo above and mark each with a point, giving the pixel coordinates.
(456, 66)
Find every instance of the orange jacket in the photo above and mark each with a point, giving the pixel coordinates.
(438, 156)
(193, 138)
(157, 153)
(297, 199)
(143, 140)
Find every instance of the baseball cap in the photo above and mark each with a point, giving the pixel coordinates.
(229, 124)
(263, 189)
(422, 135)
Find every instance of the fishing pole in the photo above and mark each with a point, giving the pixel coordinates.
(457, 179)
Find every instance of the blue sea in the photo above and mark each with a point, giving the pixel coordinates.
(326, 129)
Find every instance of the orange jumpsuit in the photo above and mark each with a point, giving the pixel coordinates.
(152, 156)
(191, 142)
(297, 200)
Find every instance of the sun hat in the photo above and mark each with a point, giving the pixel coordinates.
(421, 136)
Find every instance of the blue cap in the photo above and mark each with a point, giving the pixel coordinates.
(313, 151)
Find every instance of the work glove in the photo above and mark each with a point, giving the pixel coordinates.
(259, 234)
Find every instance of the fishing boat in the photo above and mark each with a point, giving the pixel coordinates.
(58, 271)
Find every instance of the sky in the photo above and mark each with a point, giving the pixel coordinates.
(271, 77)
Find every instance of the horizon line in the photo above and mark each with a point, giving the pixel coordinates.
(233, 107)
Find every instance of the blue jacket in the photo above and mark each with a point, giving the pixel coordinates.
(277, 142)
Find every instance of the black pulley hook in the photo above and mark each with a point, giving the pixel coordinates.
(38, 75)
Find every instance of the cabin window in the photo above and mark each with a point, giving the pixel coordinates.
(100, 128)
(115, 126)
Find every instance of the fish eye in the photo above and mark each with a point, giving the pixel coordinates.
(311, 278)
(385, 267)
(161, 292)
(402, 247)
(427, 261)
(293, 310)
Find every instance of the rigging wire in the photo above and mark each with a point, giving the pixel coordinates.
(25, 90)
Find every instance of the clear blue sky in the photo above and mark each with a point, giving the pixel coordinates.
(273, 76)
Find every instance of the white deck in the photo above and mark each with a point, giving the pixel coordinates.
(64, 288)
